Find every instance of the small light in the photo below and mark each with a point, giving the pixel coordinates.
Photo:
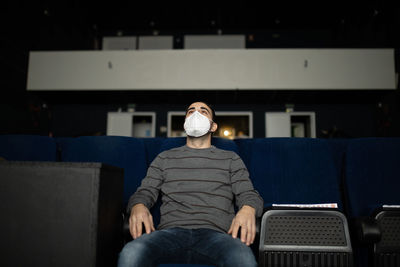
(226, 133)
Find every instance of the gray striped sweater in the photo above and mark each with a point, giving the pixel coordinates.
(199, 188)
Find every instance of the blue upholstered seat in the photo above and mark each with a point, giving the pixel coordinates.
(124, 152)
(372, 174)
(28, 148)
(294, 171)
(372, 179)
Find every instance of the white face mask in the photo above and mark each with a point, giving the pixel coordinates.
(197, 125)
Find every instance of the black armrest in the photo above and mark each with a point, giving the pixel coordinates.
(258, 225)
(368, 231)
(255, 246)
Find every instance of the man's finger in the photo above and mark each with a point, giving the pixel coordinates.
(139, 228)
(231, 228)
(235, 229)
(243, 233)
(253, 232)
(249, 234)
(147, 225)
(132, 228)
(152, 223)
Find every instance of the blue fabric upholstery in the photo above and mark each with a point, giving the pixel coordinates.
(372, 174)
(244, 148)
(28, 148)
(152, 146)
(294, 170)
(338, 149)
(124, 152)
(225, 144)
(169, 143)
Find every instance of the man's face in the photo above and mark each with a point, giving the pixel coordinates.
(201, 108)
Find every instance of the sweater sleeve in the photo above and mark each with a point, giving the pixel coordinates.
(242, 187)
(147, 192)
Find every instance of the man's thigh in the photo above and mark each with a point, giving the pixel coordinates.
(223, 250)
(159, 246)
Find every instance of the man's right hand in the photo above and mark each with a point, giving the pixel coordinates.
(140, 214)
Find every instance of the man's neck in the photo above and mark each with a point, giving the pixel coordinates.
(199, 142)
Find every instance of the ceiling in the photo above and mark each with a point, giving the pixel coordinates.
(80, 25)
(69, 24)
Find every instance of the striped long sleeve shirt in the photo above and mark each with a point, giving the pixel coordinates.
(199, 188)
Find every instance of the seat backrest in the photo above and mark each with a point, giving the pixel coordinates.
(294, 171)
(372, 174)
(338, 148)
(28, 148)
(152, 146)
(244, 148)
(124, 152)
(169, 143)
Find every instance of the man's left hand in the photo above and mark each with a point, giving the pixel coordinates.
(245, 219)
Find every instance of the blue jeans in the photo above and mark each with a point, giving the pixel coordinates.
(193, 246)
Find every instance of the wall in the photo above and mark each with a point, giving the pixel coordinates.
(341, 113)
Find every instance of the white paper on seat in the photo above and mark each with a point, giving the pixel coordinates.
(391, 206)
(323, 205)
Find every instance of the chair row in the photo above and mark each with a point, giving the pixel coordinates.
(359, 175)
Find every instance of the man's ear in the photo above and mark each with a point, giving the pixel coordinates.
(214, 127)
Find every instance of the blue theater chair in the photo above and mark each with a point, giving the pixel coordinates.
(372, 181)
(299, 171)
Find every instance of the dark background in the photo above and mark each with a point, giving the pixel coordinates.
(80, 25)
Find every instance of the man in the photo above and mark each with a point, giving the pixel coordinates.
(199, 184)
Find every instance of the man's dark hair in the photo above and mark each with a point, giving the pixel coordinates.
(213, 117)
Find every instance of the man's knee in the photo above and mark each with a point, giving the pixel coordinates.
(135, 253)
(239, 255)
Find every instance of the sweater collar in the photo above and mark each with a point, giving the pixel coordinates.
(211, 148)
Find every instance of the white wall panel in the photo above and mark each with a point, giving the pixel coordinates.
(156, 42)
(119, 43)
(264, 69)
(215, 41)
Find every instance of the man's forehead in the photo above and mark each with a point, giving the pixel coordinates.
(198, 105)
